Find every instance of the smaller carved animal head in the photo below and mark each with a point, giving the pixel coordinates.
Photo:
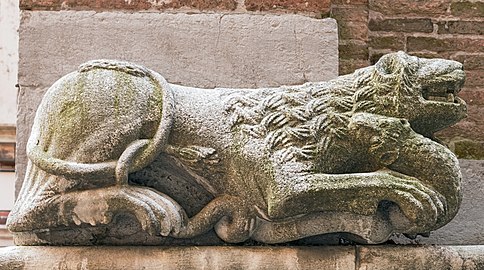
(382, 136)
(424, 91)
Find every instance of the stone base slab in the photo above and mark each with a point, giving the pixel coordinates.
(243, 257)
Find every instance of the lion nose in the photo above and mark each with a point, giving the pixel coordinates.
(436, 67)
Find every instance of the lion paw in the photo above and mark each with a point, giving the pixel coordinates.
(420, 204)
(157, 213)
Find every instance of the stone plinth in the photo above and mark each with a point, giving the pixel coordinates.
(237, 257)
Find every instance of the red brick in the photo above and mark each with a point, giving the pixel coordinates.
(125, 5)
(349, 2)
(413, 8)
(376, 55)
(288, 5)
(474, 78)
(467, 9)
(387, 42)
(8, 132)
(468, 149)
(461, 27)
(352, 30)
(348, 66)
(469, 128)
(7, 148)
(7, 152)
(345, 14)
(401, 25)
(353, 50)
(445, 44)
(203, 4)
(470, 61)
(473, 96)
(429, 54)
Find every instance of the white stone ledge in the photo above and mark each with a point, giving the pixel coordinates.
(203, 50)
(237, 257)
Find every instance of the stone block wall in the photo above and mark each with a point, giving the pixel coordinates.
(367, 29)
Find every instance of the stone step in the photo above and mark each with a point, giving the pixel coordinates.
(244, 257)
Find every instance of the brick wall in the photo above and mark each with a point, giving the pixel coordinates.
(438, 28)
(367, 29)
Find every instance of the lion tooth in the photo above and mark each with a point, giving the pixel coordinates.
(450, 97)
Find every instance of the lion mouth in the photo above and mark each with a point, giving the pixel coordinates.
(444, 88)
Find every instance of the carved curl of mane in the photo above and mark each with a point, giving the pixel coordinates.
(303, 121)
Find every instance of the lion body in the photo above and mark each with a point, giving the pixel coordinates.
(250, 163)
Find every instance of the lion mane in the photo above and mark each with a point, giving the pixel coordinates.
(303, 121)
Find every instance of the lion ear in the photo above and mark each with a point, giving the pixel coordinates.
(391, 64)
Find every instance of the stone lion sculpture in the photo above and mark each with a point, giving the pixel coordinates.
(119, 156)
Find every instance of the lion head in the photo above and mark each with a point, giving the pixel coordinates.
(423, 91)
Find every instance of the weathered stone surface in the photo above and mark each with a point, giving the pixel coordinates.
(348, 257)
(9, 22)
(119, 156)
(203, 50)
(117, 258)
(420, 257)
